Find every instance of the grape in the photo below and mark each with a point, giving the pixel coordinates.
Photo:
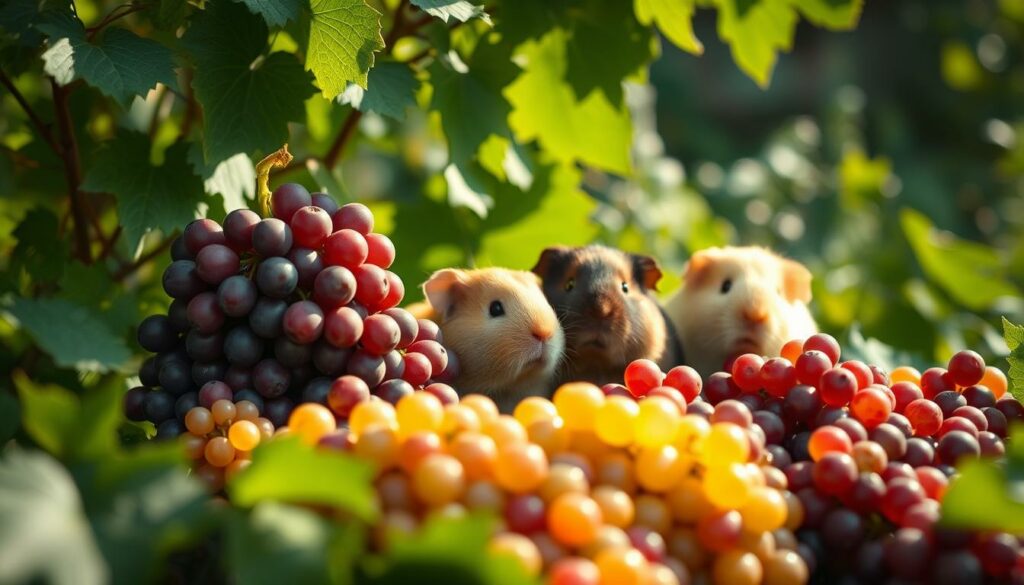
(270, 379)
(290, 354)
(212, 392)
(1011, 409)
(367, 367)
(334, 286)
(342, 327)
(445, 393)
(861, 371)
(310, 226)
(371, 284)
(159, 406)
(277, 277)
(311, 422)
(734, 412)
(278, 410)
(395, 292)
(287, 199)
(205, 372)
(746, 372)
(353, 216)
(156, 334)
(979, 396)
(380, 250)
(394, 366)
(224, 412)
(325, 202)
(966, 368)
(995, 380)
(842, 530)
(895, 470)
(811, 365)
(726, 443)
(991, 445)
(891, 440)
(519, 548)
(434, 351)
(417, 368)
(957, 423)
(825, 344)
(380, 334)
(181, 281)
(773, 426)
(956, 445)
(907, 553)
(201, 233)
(179, 251)
(835, 473)
(204, 313)
(802, 403)
(720, 531)
(959, 567)
(925, 416)
(525, 514)
(439, 479)
(919, 452)
(948, 401)
(177, 315)
(308, 263)
(997, 552)
(829, 439)
(175, 376)
(428, 331)
(238, 227)
(815, 505)
(867, 493)
(199, 421)
(393, 390)
(272, 237)
(303, 322)
(777, 376)
(134, 403)
(346, 248)
(330, 360)
(216, 262)
(316, 390)
(242, 347)
(934, 381)
(169, 429)
(236, 296)
(900, 494)
(267, 316)
(871, 407)
(838, 387)
(905, 392)
(686, 380)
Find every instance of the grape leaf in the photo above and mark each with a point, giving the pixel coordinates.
(971, 273)
(981, 498)
(328, 478)
(44, 534)
(756, 30)
(10, 416)
(460, 10)
(41, 251)
(73, 335)
(674, 18)
(390, 90)
(1014, 336)
(247, 99)
(148, 197)
(466, 189)
(545, 108)
(120, 64)
(275, 12)
(170, 14)
(233, 179)
(833, 14)
(343, 35)
(608, 28)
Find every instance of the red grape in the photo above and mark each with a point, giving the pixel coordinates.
(642, 376)
(334, 286)
(837, 386)
(216, 262)
(417, 368)
(345, 393)
(353, 216)
(905, 393)
(935, 380)
(287, 199)
(434, 351)
(861, 371)
(380, 334)
(310, 226)
(871, 407)
(835, 473)
(956, 445)
(810, 366)
(342, 327)
(746, 372)
(380, 250)
(345, 248)
(778, 375)
(900, 494)
(238, 228)
(686, 380)
(720, 531)
(201, 233)
(732, 411)
(303, 322)
(824, 343)
(372, 284)
(966, 368)
(925, 416)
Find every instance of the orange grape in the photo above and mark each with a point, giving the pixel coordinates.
(785, 567)
(688, 501)
(505, 430)
(371, 412)
(246, 410)
(563, 479)
(905, 374)
(378, 444)
(656, 422)
(438, 480)
(653, 513)
(794, 510)
(310, 421)
(521, 467)
(483, 406)
(659, 574)
(235, 467)
(622, 566)
(534, 409)
(659, 468)
(828, 439)
(573, 519)
(727, 486)
(616, 506)
(577, 403)
(199, 421)
(587, 444)
(737, 567)
(416, 448)
(477, 452)
(212, 477)
(484, 495)
(764, 511)
(550, 434)
(419, 411)
(869, 456)
(617, 469)
(224, 411)
(608, 537)
(519, 548)
(244, 435)
(792, 350)
(995, 380)
(726, 443)
(615, 421)
(458, 418)
(194, 446)
(219, 452)
(266, 427)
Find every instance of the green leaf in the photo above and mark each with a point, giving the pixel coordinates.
(233, 179)
(276, 12)
(120, 64)
(343, 35)
(247, 99)
(833, 14)
(756, 30)
(861, 179)
(391, 89)
(460, 10)
(971, 273)
(980, 498)
(288, 470)
(608, 28)
(170, 14)
(1014, 336)
(674, 18)
(545, 108)
(467, 189)
(73, 335)
(148, 197)
(41, 251)
(44, 534)
(10, 416)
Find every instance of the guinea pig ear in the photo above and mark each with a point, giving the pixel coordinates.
(796, 281)
(646, 271)
(442, 289)
(549, 258)
(697, 267)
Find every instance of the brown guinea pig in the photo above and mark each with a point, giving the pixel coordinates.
(507, 338)
(736, 300)
(603, 298)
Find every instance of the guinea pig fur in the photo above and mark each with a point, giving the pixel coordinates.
(603, 298)
(506, 336)
(737, 300)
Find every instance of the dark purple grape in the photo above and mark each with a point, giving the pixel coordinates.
(176, 377)
(408, 326)
(238, 227)
(907, 553)
(242, 347)
(330, 360)
(956, 445)
(216, 262)
(869, 562)
(369, 368)
(751, 401)
(156, 334)
(277, 277)
(179, 251)
(168, 430)
(429, 331)
(799, 475)
(179, 355)
(159, 406)
(381, 335)
(202, 233)
(697, 407)
(149, 372)
(236, 296)
(204, 313)
(334, 287)
(802, 403)
(185, 403)
(204, 348)
(278, 410)
(177, 314)
(272, 237)
(835, 473)
(212, 392)
(451, 372)
(291, 354)
(353, 216)
(780, 457)
(958, 567)
(270, 378)
(251, 396)
(902, 423)
(842, 530)
(979, 396)
(919, 452)
(238, 378)
(829, 415)
(359, 308)
(287, 199)
(316, 390)
(393, 390)
(773, 427)
(948, 401)
(308, 263)
(891, 439)
(301, 375)
(394, 365)
(267, 316)
(816, 506)
(996, 420)
(997, 553)
(866, 494)
(325, 202)
(798, 446)
(203, 372)
(1011, 408)
(135, 403)
(991, 445)
(181, 281)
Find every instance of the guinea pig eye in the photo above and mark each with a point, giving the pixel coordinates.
(625, 287)
(570, 284)
(496, 309)
(726, 285)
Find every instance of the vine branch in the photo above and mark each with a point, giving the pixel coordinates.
(72, 171)
(338, 146)
(41, 127)
(114, 15)
(130, 268)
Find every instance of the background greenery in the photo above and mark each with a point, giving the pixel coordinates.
(887, 158)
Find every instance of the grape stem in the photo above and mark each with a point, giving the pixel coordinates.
(41, 127)
(278, 158)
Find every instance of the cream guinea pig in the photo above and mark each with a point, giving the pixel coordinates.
(737, 300)
(499, 325)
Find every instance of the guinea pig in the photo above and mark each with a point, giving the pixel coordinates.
(506, 336)
(737, 300)
(604, 300)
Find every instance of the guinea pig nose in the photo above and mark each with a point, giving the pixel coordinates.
(756, 314)
(542, 332)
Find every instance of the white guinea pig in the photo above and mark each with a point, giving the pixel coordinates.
(737, 300)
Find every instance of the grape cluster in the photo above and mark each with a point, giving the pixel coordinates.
(284, 310)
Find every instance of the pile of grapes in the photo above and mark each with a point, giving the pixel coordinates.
(270, 313)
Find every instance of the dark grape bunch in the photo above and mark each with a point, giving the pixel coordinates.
(274, 312)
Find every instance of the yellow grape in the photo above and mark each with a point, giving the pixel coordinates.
(563, 479)
(726, 443)
(622, 566)
(310, 421)
(199, 421)
(219, 452)
(505, 430)
(224, 411)
(477, 452)
(521, 467)
(765, 511)
(616, 420)
(656, 422)
(616, 505)
(379, 445)
(574, 519)
(577, 403)
(693, 432)
(588, 444)
(727, 486)
(438, 480)
(519, 548)
(550, 434)
(737, 567)
(419, 411)
(244, 435)
(458, 418)
(484, 495)
(658, 469)
(905, 374)
(534, 409)
(371, 412)
(762, 544)
(483, 406)
(246, 410)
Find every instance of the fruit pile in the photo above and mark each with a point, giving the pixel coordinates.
(269, 313)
